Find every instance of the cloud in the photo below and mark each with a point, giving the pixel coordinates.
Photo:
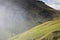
(54, 4)
(57, 7)
(55, 1)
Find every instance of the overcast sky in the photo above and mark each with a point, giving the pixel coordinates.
(53, 3)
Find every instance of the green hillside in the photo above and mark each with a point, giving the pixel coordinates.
(39, 13)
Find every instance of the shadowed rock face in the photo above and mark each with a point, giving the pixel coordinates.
(17, 16)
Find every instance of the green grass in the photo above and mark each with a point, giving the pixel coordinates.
(39, 32)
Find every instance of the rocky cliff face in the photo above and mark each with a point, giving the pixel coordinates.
(35, 12)
(39, 12)
(17, 16)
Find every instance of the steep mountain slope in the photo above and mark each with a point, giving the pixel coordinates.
(39, 12)
(36, 12)
(17, 16)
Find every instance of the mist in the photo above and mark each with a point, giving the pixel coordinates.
(12, 20)
(18, 16)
